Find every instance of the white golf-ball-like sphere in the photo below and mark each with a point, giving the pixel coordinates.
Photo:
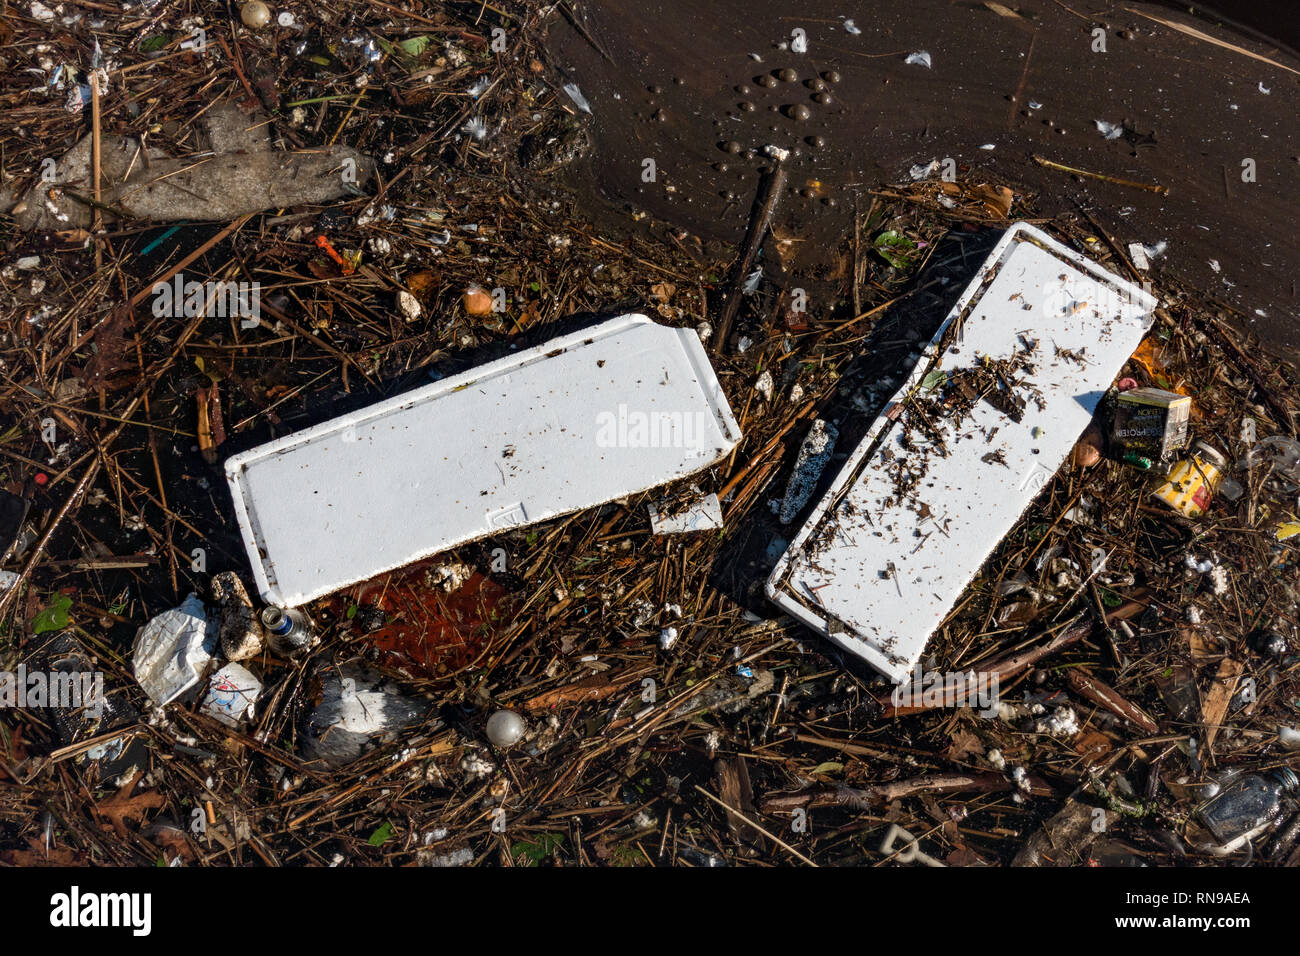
(505, 728)
(255, 14)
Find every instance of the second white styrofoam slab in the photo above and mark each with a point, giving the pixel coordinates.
(578, 421)
(877, 571)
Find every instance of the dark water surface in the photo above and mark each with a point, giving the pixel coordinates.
(677, 81)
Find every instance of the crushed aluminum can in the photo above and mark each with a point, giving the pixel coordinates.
(1192, 482)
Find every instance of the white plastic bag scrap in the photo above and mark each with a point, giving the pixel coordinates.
(232, 692)
(172, 651)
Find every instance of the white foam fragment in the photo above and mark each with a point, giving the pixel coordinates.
(704, 514)
(583, 419)
(1138, 253)
(923, 170)
(876, 568)
(919, 58)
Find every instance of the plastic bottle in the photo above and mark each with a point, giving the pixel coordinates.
(287, 630)
(1246, 803)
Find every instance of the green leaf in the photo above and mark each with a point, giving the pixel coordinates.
(829, 766)
(154, 43)
(532, 537)
(54, 617)
(933, 380)
(414, 46)
(538, 849)
(351, 612)
(896, 249)
(382, 835)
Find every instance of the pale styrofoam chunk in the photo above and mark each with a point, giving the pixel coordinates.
(870, 568)
(583, 419)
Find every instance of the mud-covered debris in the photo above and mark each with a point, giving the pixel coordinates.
(92, 709)
(814, 455)
(237, 627)
(1064, 840)
(241, 175)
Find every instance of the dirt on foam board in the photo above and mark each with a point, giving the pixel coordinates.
(991, 411)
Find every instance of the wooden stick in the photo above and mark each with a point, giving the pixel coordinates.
(96, 219)
(1074, 631)
(769, 194)
(1105, 696)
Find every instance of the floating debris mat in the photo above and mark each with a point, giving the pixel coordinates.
(991, 411)
(578, 421)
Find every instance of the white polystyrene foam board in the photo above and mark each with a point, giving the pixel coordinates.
(583, 419)
(1031, 295)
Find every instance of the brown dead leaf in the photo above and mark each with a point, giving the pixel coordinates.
(995, 199)
(111, 347)
(121, 807)
(36, 856)
(962, 745)
(662, 292)
(1200, 646)
(1091, 745)
(419, 283)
